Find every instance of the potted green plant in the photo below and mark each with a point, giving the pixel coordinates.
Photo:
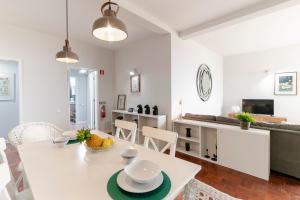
(245, 120)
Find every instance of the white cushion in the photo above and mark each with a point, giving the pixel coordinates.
(71, 134)
(35, 133)
(2, 144)
(25, 195)
(20, 167)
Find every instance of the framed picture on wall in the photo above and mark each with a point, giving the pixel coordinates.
(7, 86)
(285, 83)
(121, 102)
(135, 84)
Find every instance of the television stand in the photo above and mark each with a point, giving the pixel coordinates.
(264, 118)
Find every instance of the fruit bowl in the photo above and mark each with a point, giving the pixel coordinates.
(94, 142)
(98, 148)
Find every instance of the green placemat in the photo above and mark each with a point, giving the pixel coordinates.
(73, 141)
(117, 193)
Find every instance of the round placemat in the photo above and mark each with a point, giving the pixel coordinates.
(117, 193)
(73, 141)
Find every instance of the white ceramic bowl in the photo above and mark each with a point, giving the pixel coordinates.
(61, 141)
(129, 155)
(142, 171)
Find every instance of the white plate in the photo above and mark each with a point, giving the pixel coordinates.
(127, 184)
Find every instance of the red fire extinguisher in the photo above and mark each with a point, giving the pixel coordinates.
(102, 112)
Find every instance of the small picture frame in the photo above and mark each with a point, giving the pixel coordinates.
(7, 86)
(285, 83)
(135, 84)
(121, 102)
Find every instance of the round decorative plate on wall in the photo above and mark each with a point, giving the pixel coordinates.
(204, 82)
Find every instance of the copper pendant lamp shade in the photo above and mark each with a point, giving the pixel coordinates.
(109, 27)
(67, 55)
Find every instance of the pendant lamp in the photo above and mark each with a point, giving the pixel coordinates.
(109, 27)
(67, 55)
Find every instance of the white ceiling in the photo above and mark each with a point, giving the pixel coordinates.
(181, 15)
(142, 17)
(281, 28)
(49, 16)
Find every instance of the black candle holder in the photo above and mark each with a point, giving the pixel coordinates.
(120, 117)
(187, 146)
(207, 156)
(147, 109)
(140, 109)
(188, 132)
(155, 110)
(215, 156)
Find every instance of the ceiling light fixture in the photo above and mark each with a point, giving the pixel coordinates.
(82, 71)
(67, 55)
(109, 27)
(133, 72)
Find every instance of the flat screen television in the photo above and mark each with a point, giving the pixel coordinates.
(259, 106)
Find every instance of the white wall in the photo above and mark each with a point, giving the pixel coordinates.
(187, 56)
(9, 110)
(245, 77)
(45, 88)
(152, 59)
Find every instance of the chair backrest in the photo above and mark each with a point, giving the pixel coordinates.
(197, 190)
(32, 132)
(167, 136)
(125, 125)
(7, 187)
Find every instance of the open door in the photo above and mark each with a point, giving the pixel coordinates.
(82, 99)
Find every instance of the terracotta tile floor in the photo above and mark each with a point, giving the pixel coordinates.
(240, 185)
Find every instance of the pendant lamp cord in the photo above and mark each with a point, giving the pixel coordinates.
(67, 20)
(109, 5)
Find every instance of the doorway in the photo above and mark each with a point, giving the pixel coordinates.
(9, 96)
(82, 99)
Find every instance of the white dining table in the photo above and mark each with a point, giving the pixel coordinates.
(73, 173)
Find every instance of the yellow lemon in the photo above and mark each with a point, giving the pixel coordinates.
(111, 140)
(106, 143)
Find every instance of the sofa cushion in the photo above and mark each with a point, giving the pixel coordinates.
(227, 120)
(293, 127)
(267, 125)
(200, 117)
(279, 126)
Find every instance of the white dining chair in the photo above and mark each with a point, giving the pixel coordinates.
(162, 135)
(125, 126)
(8, 189)
(31, 132)
(197, 190)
